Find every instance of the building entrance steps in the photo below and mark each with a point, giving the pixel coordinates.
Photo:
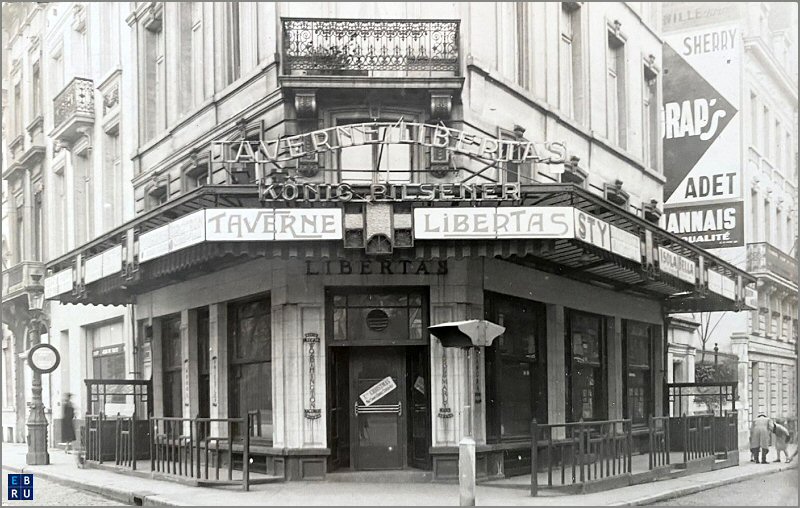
(136, 490)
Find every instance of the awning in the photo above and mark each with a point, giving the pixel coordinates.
(684, 277)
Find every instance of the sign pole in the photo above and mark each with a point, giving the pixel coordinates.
(37, 422)
(466, 447)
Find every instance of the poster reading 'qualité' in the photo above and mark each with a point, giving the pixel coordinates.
(702, 133)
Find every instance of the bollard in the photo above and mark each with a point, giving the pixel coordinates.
(466, 472)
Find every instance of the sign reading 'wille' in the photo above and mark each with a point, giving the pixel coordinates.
(401, 132)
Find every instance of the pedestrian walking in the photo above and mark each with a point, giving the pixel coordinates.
(781, 440)
(68, 421)
(759, 438)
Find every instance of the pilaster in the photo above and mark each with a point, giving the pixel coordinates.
(218, 364)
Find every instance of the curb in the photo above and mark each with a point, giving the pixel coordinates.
(686, 491)
(114, 494)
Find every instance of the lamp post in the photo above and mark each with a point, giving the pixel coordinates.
(467, 335)
(716, 351)
(37, 422)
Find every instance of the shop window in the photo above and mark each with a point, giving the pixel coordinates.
(516, 368)
(587, 369)
(378, 162)
(172, 366)
(638, 383)
(108, 360)
(250, 367)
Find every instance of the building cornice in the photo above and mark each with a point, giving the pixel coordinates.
(760, 50)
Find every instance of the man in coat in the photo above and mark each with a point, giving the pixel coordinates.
(759, 437)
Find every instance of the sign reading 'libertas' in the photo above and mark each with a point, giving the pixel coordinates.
(401, 132)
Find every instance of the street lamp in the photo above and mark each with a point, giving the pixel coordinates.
(472, 334)
(37, 422)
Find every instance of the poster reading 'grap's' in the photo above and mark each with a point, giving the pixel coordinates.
(702, 134)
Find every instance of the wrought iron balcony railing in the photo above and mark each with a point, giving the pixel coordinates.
(765, 258)
(73, 105)
(362, 46)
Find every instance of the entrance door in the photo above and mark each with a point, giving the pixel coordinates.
(378, 402)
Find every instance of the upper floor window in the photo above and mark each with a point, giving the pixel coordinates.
(776, 148)
(571, 89)
(753, 120)
(36, 91)
(18, 109)
(112, 181)
(157, 196)
(513, 172)
(765, 141)
(155, 77)
(38, 227)
(616, 97)
(650, 138)
(372, 163)
(19, 234)
(56, 71)
(190, 53)
(233, 42)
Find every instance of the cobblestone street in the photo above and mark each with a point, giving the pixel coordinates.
(779, 489)
(46, 493)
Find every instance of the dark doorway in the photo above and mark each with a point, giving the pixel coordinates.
(378, 380)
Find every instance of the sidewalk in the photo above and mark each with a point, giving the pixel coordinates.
(135, 490)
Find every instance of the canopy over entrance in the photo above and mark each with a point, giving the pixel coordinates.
(558, 228)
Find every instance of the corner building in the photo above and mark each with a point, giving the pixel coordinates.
(251, 297)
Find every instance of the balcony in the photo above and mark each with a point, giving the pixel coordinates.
(763, 258)
(73, 110)
(22, 278)
(360, 49)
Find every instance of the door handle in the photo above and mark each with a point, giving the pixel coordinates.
(379, 409)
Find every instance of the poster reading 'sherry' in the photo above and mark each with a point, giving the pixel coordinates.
(702, 134)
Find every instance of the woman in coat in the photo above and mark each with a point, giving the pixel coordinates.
(759, 437)
(67, 422)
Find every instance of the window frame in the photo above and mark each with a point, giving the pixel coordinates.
(495, 360)
(616, 53)
(170, 371)
(602, 401)
(334, 116)
(650, 384)
(575, 94)
(236, 363)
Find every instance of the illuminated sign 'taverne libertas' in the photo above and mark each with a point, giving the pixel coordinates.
(401, 132)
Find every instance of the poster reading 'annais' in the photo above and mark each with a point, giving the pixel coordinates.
(702, 134)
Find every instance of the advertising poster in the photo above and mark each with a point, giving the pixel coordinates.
(702, 134)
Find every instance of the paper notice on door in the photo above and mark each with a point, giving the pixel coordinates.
(419, 385)
(380, 389)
